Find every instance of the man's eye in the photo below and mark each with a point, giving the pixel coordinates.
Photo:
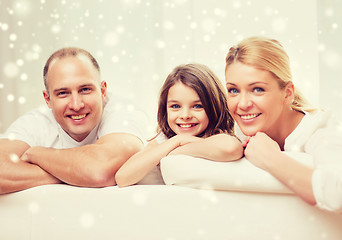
(61, 94)
(232, 91)
(85, 90)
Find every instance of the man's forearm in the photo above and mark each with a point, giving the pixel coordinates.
(92, 165)
(16, 176)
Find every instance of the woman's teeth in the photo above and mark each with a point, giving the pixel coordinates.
(249, 116)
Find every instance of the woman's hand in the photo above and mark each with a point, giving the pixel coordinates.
(260, 149)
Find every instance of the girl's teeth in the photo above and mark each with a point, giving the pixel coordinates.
(78, 117)
(185, 125)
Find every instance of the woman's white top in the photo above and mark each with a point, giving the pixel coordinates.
(319, 135)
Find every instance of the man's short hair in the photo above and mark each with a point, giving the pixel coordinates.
(67, 52)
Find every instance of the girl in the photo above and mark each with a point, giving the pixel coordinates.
(275, 117)
(193, 119)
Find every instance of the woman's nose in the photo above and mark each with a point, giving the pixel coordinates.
(245, 101)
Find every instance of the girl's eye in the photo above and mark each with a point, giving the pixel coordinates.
(258, 90)
(175, 106)
(198, 106)
(233, 91)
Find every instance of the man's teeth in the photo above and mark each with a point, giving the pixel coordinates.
(250, 116)
(77, 117)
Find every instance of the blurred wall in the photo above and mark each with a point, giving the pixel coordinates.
(137, 43)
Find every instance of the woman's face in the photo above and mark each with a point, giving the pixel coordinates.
(255, 99)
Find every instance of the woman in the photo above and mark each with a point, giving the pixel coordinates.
(274, 116)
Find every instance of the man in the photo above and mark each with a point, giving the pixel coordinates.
(75, 140)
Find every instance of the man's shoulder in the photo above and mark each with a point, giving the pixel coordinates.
(33, 126)
(38, 116)
(123, 120)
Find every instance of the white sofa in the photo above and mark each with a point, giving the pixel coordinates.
(256, 207)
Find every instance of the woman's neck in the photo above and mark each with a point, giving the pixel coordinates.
(289, 123)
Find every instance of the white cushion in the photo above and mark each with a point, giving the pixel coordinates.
(240, 175)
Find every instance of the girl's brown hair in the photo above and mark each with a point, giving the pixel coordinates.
(211, 93)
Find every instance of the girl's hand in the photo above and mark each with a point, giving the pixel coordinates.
(183, 139)
(260, 149)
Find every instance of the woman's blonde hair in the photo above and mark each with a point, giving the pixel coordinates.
(269, 55)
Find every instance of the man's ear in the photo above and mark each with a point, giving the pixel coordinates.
(47, 98)
(289, 92)
(104, 89)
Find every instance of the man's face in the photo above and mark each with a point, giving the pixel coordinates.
(75, 95)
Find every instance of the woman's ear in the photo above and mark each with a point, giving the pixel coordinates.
(289, 93)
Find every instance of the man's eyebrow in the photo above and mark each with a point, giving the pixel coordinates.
(87, 85)
(59, 90)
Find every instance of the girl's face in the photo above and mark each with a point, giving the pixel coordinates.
(185, 113)
(255, 99)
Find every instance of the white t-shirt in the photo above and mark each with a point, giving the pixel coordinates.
(319, 135)
(39, 128)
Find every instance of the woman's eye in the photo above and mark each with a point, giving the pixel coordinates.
(233, 91)
(258, 90)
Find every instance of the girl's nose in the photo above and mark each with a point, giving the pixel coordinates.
(186, 114)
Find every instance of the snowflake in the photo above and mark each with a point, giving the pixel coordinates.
(160, 44)
(33, 207)
(14, 158)
(139, 198)
(87, 220)
(11, 70)
(10, 97)
(4, 26)
(111, 39)
(279, 25)
(22, 100)
(55, 29)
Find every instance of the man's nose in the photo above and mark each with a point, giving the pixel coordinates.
(76, 102)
